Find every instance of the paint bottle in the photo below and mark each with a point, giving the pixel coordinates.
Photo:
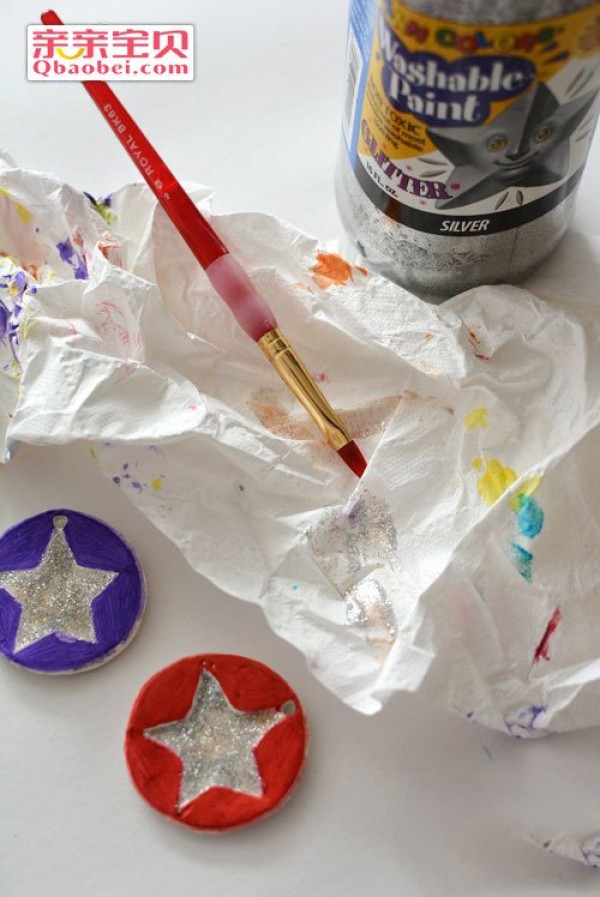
(466, 126)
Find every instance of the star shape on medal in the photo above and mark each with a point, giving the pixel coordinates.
(526, 145)
(215, 742)
(55, 596)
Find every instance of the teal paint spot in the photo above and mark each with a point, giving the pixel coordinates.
(488, 753)
(530, 517)
(295, 587)
(522, 559)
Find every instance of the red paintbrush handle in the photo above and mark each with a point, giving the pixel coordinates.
(193, 227)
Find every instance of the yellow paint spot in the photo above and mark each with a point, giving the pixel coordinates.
(478, 417)
(23, 213)
(93, 451)
(495, 479)
(156, 484)
(528, 487)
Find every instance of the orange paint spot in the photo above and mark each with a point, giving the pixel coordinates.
(330, 269)
(428, 336)
(362, 422)
(303, 286)
(409, 396)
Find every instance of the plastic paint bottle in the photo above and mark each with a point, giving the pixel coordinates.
(466, 127)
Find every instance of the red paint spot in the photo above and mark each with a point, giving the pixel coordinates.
(474, 339)
(541, 652)
(409, 167)
(455, 186)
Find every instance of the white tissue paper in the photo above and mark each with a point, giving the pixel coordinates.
(463, 566)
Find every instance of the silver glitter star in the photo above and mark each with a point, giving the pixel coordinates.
(55, 596)
(215, 742)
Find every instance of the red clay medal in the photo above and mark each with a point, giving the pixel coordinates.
(216, 741)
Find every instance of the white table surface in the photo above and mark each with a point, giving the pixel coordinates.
(413, 801)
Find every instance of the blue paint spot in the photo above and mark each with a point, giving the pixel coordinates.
(530, 517)
(295, 586)
(522, 559)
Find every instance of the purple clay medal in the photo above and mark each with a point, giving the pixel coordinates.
(71, 593)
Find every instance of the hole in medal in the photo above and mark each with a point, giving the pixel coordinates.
(60, 521)
(288, 708)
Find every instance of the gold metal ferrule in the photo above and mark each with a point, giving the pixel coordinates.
(295, 375)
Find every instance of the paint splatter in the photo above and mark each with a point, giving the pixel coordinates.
(362, 422)
(73, 258)
(102, 206)
(590, 850)
(21, 210)
(331, 269)
(530, 516)
(526, 721)
(541, 652)
(495, 479)
(110, 322)
(477, 419)
(125, 478)
(522, 559)
(16, 285)
(527, 487)
(493, 482)
(476, 343)
(356, 551)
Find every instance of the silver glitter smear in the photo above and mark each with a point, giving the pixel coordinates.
(55, 596)
(357, 552)
(215, 742)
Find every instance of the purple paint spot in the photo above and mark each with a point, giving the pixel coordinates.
(117, 480)
(4, 316)
(73, 258)
(524, 722)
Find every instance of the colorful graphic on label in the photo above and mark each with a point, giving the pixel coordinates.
(467, 129)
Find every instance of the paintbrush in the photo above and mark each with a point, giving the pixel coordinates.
(225, 274)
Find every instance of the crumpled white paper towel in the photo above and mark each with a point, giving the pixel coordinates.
(464, 566)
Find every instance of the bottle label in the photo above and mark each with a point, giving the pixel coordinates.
(463, 129)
